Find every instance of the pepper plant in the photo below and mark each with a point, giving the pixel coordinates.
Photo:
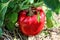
(13, 11)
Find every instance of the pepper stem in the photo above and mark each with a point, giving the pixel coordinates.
(30, 12)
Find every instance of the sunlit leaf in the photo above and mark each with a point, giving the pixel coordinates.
(31, 1)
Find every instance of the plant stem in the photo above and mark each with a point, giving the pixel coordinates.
(30, 12)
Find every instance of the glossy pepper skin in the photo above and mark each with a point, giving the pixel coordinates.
(29, 25)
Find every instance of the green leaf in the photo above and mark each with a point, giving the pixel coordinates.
(11, 4)
(57, 10)
(49, 19)
(31, 1)
(53, 4)
(38, 16)
(49, 14)
(3, 9)
(1, 32)
(10, 26)
(49, 23)
(11, 19)
(24, 7)
(38, 4)
(4, 1)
